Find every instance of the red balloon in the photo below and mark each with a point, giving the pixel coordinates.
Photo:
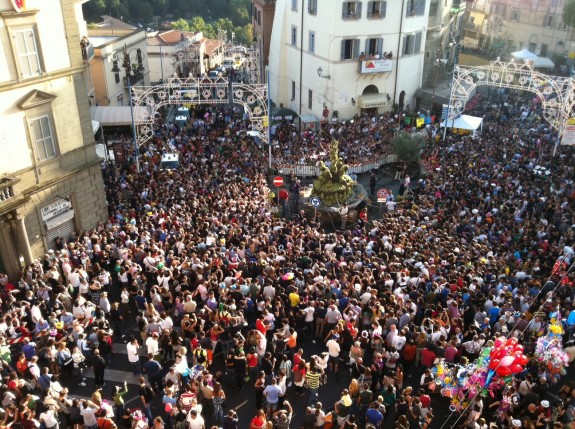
(519, 348)
(521, 360)
(494, 363)
(508, 350)
(515, 368)
(497, 354)
(511, 342)
(518, 354)
(503, 371)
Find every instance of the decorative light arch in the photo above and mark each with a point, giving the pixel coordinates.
(220, 91)
(555, 92)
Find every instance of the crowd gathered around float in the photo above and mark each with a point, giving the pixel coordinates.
(459, 297)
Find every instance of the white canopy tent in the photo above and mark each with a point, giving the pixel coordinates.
(118, 115)
(523, 54)
(465, 122)
(542, 63)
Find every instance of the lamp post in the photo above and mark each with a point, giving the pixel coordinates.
(127, 66)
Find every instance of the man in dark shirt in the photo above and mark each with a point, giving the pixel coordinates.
(308, 421)
(154, 371)
(99, 366)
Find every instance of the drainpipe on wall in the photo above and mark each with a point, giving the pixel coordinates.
(398, 54)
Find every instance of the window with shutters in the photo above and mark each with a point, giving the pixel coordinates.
(311, 47)
(312, 7)
(415, 8)
(548, 21)
(351, 10)
(349, 49)
(310, 99)
(43, 137)
(412, 44)
(543, 50)
(26, 47)
(515, 16)
(294, 36)
(294, 5)
(374, 47)
(376, 9)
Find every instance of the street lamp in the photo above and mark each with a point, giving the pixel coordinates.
(320, 73)
(127, 66)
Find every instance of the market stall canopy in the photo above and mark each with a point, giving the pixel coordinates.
(523, 54)
(118, 115)
(464, 122)
(542, 63)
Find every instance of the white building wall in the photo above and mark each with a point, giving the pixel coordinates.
(345, 82)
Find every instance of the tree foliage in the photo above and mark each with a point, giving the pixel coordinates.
(407, 146)
(569, 13)
(198, 15)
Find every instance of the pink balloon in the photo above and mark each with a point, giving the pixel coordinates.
(499, 342)
(507, 360)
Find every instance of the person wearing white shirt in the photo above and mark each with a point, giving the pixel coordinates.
(133, 357)
(152, 344)
(195, 421)
(88, 411)
(333, 350)
(50, 417)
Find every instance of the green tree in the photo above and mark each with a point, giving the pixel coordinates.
(569, 13)
(181, 25)
(244, 35)
(407, 146)
(224, 24)
(240, 11)
(198, 24)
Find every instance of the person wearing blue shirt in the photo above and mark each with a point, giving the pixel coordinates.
(272, 394)
(373, 415)
(494, 314)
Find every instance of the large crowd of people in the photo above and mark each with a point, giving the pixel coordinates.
(211, 274)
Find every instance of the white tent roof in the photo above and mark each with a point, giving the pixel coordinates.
(464, 122)
(95, 126)
(523, 54)
(118, 115)
(542, 63)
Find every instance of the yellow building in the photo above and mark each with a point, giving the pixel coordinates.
(50, 176)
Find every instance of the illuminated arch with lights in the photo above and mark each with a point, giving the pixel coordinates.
(555, 93)
(179, 91)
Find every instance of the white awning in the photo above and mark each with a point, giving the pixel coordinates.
(371, 101)
(95, 126)
(464, 122)
(118, 115)
(523, 54)
(59, 220)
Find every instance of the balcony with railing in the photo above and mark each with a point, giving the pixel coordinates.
(7, 189)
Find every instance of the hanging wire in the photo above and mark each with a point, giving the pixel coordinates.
(522, 332)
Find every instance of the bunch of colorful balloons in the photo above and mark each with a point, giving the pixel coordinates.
(506, 358)
(549, 350)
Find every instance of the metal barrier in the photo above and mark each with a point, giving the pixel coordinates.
(305, 170)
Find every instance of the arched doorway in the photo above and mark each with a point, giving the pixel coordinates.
(401, 100)
(370, 89)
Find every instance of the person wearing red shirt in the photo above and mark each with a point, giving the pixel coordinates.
(408, 352)
(427, 357)
(260, 325)
(259, 421)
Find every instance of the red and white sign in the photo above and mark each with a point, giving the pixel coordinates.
(278, 181)
(382, 195)
(19, 5)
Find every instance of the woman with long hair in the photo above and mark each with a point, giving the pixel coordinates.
(218, 401)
